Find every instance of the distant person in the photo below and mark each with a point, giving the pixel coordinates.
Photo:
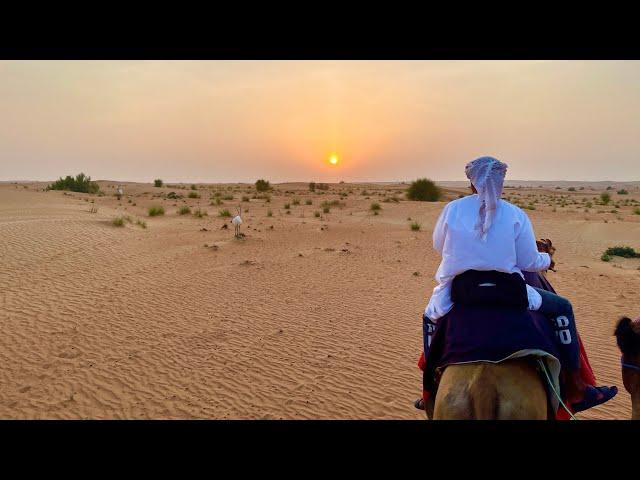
(482, 232)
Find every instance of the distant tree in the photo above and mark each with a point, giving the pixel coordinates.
(424, 190)
(312, 186)
(263, 185)
(157, 182)
(81, 183)
(605, 198)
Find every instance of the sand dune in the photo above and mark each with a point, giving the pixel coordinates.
(306, 318)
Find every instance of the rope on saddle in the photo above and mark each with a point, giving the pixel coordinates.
(553, 389)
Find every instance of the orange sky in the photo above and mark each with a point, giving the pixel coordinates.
(224, 121)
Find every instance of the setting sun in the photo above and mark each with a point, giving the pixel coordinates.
(333, 160)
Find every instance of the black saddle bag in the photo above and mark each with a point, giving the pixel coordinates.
(490, 288)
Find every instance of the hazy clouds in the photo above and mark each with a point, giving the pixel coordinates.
(240, 120)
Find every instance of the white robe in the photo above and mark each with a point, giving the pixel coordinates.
(510, 247)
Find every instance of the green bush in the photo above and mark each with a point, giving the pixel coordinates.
(636, 211)
(623, 192)
(424, 190)
(605, 198)
(224, 213)
(415, 226)
(157, 182)
(262, 185)
(156, 211)
(81, 183)
(626, 252)
(194, 195)
(118, 222)
(375, 207)
(605, 257)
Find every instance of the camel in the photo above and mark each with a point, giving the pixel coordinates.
(509, 390)
(627, 334)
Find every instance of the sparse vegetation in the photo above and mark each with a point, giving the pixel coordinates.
(316, 214)
(245, 198)
(156, 211)
(224, 213)
(157, 182)
(424, 190)
(193, 187)
(308, 202)
(605, 198)
(194, 195)
(415, 226)
(200, 213)
(623, 192)
(375, 207)
(141, 223)
(269, 213)
(296, 201)
(626, 252)
(81, 183)
(636, 211)
(118, 222)
(263, 185)
(184, 210)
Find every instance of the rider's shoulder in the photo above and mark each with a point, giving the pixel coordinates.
(516, 210)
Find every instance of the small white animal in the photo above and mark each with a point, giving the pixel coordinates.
(237, 221)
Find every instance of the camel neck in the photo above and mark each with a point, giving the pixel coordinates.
(635, 406)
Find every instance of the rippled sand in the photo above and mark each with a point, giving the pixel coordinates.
(313, 318)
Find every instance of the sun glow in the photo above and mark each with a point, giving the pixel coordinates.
(333, 159)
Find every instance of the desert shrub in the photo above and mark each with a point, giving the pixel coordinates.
(269, 213)
(312, 186)
(142, 223)
(588, 205)
(224, 213)
(308, 202)
(623, 192)
(245, 198)
(375, 207)
(424, 190)
(184, 210)
(636, 211)
(156, 211)
(605, 198)
(287, 206)
(118, 222)
(322, 186)
(228, 197)
(626, 252)
(326, 209)
(194, 195)
(296, 201)
(157, 182)
(193, 187)
(216, 201)
(81, 183)
(572, 189)
(173, 195)
(316, 214)
(200, 213)
(415, 226)
(263, 185)
(605, 257)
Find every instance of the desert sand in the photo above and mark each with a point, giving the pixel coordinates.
(305, 318)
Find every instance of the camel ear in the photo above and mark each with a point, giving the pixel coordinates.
(628, 340)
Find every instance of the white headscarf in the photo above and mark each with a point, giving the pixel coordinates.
(487, 175)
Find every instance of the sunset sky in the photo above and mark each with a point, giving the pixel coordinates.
(236, 121)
